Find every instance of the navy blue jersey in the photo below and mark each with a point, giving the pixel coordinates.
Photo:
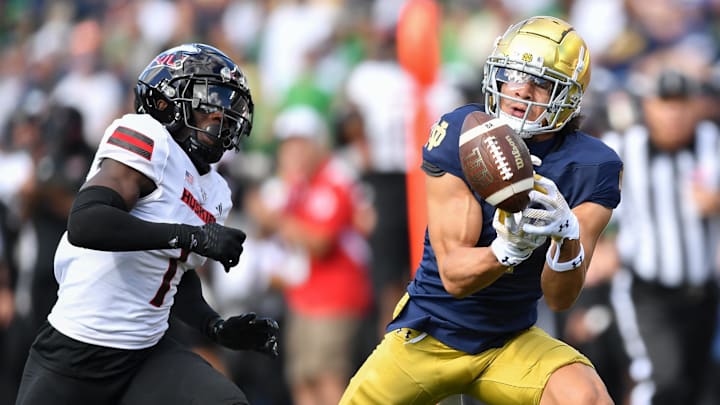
(583, 168)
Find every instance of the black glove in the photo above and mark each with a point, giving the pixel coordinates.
(246, 332)
(213, 241)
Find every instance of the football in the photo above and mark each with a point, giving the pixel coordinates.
(496, 162)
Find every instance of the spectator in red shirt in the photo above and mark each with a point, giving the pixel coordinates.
(316, 209)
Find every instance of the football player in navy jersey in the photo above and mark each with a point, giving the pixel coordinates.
(150, 212)
(467, 322)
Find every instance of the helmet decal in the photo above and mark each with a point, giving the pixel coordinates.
(171, 60)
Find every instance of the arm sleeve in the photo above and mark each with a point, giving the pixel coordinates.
(100, 220)
(190, 306)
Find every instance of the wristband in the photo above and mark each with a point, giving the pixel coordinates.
(573, 264)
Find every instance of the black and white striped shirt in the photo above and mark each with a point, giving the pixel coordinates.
(662, 238)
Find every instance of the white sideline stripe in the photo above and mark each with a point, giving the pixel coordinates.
(508, 191)
(471, 133)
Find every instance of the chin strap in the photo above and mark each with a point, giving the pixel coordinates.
(525, 128)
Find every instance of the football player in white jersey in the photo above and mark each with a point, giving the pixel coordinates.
(150, 212)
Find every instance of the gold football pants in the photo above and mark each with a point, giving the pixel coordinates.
(410, 367)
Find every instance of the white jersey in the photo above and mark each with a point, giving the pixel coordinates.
(123, 299)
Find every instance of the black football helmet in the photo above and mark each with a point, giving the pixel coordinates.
(202, 78)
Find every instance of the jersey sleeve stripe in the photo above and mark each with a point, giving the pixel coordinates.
(132, 141)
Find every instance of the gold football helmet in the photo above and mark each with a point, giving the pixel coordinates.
(550, 53)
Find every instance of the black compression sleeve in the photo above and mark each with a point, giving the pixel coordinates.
(100, 220)
(190, 305)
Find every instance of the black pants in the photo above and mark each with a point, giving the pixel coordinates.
(676, 327)
(60, 370)
(389, 241)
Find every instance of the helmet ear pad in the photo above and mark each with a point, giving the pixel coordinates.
(151, 101)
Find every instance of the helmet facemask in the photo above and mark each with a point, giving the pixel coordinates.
(563, 104)
(207, 96)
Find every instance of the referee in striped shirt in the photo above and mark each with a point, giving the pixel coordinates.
(666, 294)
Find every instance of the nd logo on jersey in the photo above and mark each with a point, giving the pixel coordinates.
(437, 134)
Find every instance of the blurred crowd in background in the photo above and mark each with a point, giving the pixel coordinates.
(325, 72)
